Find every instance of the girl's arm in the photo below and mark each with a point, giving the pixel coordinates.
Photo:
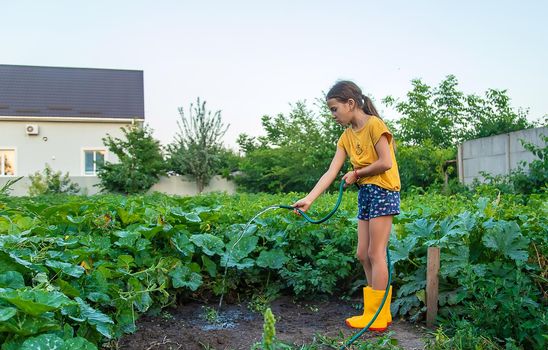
(379, 166)
(324, 182)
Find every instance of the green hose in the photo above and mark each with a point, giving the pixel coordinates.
(309, 219)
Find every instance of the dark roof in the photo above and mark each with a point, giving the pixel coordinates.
(71, 92)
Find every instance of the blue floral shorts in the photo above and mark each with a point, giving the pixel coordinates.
(375, 201)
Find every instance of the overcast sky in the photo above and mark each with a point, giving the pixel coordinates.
(251, 58)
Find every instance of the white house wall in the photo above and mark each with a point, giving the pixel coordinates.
(59, 144)
(172, 185)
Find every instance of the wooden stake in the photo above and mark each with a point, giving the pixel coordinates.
(432, 270)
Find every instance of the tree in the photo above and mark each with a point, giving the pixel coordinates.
(296, 150)
(140, 165)
(446, 116)
(434, 114)
(197, 148)
(493, 115)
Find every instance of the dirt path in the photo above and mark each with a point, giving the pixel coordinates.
(187, 328)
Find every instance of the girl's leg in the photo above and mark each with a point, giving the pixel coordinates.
(363, 248)
(379, 233)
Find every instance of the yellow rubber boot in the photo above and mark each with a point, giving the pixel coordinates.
(386, 307)
(357, 319)
(374, 299)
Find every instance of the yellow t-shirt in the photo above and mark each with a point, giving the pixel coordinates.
(360, 147)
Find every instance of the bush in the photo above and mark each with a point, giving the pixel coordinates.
(422, 166)
(51, 182)
(140, 162)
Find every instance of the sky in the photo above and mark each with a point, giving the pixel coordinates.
(254, 58)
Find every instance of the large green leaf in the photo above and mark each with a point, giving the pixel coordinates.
(209, 266)
(191, 217)
(142, 299)
(53, 342)
(12, 279)
(67, 288)
(127, 238)
(96, 318)
(413, 283)
(453, 260)
(401, 248)
(149, 232)
(9, 263)
(229, 261)
(421, 227)
(36, 302)
(183, 276)
(76, 220)
(183, 244)
(78, 343)
(210, 244)
(6, 313)
(241, 248)
(125, 320)
(402, 305)
(66, 268)
(25, 325)
(467, 221)
(274, 259)
(43, 342)
(506, 238)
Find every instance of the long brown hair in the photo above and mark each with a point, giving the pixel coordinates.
(345, 90)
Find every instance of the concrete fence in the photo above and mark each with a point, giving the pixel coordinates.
(173, 185)
(496, 155)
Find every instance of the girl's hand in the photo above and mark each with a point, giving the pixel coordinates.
(302, 204)
(350, 178)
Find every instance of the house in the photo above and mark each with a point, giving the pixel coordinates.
(59, 115)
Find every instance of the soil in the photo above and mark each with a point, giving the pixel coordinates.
(237, 327)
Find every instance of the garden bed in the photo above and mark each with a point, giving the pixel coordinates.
(303, 322)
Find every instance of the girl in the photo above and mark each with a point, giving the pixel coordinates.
(370, 146)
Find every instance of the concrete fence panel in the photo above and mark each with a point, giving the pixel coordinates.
(497, 155)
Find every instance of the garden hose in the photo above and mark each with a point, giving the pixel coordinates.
(309, 219)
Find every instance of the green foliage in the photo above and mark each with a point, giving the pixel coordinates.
(6, 188)
(493, 115)
(490, 274)
(464, 337)
(298, 147)
(429, 114)
(88, 267)
(140, 162)
(210, 314)
(446, 116)
(295, 152)
(381, 342)
(197, 150)
(51, 182)
(229, 163)
(269, 341)
(422, 165)
(269, 330)
(532, 177)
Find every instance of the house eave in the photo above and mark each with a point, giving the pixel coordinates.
(71, 119)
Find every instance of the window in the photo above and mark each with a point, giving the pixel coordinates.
(7, 162)
(93, 161)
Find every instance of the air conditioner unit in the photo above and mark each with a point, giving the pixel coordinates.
(32, 129)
